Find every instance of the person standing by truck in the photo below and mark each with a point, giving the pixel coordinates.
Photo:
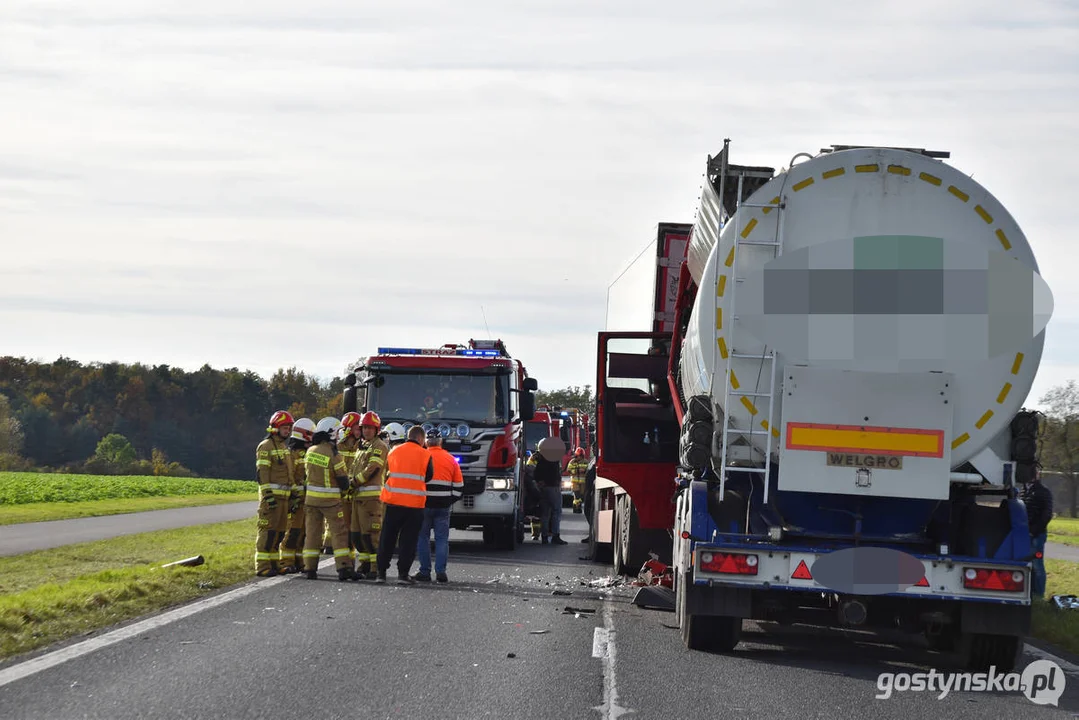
(443, 490)
(577, 468)
(1039, 502)
(367, 473)
(404, 496)
(549, 478)
(348, 446)
(273, 470)
(302, 433)
(327, 479)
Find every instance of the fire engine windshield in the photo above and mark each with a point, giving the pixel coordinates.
(419, 398)
(534, 432)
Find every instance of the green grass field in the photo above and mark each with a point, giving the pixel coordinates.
(53, 595)
(1059, 627)
(39, 497)
(1064, 530)
(23, 488)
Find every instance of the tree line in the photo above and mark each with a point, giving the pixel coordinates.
(138, 419)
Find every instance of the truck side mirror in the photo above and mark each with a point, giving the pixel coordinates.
(531, 385)
(528, 406)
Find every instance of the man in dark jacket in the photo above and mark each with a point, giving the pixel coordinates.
(1039, 502)
(548, 475)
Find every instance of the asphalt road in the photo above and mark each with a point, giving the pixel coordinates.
(26, 537)
(291, 647)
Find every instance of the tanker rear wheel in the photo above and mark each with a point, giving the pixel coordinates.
(708, 633)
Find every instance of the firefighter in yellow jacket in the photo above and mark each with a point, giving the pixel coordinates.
(302, 433)
(348, 445)
(367, 474)
(578, 467)
(327, 479)
(273, 469)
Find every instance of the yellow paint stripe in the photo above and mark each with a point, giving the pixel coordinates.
(749, 227)
(722, 347)
(898, 170)
(764, 424)
(1017, 363)
(829, 174)
(1004, 392)
(749, 406)
(734, 381)
(1003, 239)
(958, 193)
(960, 440)
(931, 179)
(774, 201)
(719, 318)
(984, 215)
(867, 440)
(983, 419)
(730, 258)
(802, 185)
(721, 285)
(867, 168)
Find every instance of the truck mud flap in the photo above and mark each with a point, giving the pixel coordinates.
(980, 617)
(726, 601)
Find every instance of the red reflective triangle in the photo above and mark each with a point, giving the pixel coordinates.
(802, 572)
(922, 583)
(994, 583)
(728, 565)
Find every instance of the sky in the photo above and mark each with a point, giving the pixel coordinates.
(275, 184)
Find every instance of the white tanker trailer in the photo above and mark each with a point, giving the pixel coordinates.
(856, 337)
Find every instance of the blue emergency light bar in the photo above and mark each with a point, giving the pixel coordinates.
(438, 351)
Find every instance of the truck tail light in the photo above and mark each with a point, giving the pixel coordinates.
(729, 563)
(993, 579)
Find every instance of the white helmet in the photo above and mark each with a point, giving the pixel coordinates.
(304, 429)
(328, 425)
(395, 432)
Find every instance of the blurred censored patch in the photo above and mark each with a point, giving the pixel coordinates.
(894, 302)
(868, 571)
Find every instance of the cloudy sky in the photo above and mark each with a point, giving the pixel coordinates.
(268, 184)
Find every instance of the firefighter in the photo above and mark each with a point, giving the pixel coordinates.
(348, 447)
(577, 467)
(408, 470)
(273, 470)
(302, 433)
(367, 473)
(327, 479)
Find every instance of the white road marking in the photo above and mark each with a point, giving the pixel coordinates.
(603, 647)
(57, 657)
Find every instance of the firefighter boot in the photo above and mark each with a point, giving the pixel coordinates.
(311, 574)
(345, 574)
(369, 547)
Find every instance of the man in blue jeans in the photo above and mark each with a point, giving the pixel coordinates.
(443, 490)
(1039, 502)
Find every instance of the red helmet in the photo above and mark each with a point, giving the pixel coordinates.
(579, 452)
(371, 419)
(279, 419)
(350, 420)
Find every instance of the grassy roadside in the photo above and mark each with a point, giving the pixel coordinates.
(1059, 627)
(45, 511)
(109, 581)
(1064, 530)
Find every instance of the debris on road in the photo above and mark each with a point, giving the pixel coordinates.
(653, 572)
(604, 582)
(1065, 602)
(511, 655)
(187, 562)
(561, 592)
(538, 632)
(577, 612)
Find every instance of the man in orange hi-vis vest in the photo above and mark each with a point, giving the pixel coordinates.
(404, 495)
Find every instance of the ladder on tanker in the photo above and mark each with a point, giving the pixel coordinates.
(750, 399)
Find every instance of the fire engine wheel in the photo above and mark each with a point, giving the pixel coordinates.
(708, 633)
(978, 652)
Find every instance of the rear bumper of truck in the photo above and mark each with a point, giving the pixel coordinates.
(781, 589)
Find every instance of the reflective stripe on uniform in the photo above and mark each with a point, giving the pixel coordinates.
(323, 490)
(407, 476)
(314, 458)
(311, 553)
(409, 491)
